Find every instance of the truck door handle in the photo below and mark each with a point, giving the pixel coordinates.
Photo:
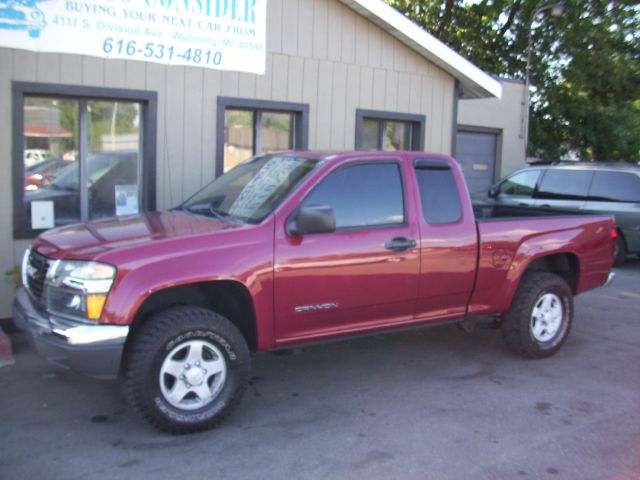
(400, 244)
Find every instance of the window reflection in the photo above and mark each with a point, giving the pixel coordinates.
(51, 143)
(238, 137)
(251, 132)
(113, 162)
(382, 134)
(53, 167)
(276, 131)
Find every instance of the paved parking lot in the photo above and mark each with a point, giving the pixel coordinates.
(432, 404)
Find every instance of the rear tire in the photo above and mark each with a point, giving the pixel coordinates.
(620, 253)
(186, 369)
(540, 317)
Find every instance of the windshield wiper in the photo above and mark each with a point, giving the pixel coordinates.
(207, 212)
(218, 214)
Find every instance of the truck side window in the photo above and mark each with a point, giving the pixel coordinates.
(362, 195)
(521, 184)
(565, 184)
(439, 196)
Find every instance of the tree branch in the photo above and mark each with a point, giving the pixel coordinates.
(512, 16)
(445, 19)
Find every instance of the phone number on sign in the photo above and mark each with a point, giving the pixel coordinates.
(160, 51)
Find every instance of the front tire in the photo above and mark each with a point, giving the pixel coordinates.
(540, 317)
(186, 369)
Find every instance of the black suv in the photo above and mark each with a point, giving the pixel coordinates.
(590, 187)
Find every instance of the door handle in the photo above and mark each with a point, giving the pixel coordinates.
(400, 244)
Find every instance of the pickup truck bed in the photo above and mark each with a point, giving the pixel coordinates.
(289, 249)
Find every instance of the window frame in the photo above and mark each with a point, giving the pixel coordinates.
(149, 108)
(299, 111)
(417, 122)
(392, 161)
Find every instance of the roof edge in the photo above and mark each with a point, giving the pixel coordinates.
(474, 82)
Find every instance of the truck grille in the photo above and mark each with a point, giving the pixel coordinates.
(37, 267)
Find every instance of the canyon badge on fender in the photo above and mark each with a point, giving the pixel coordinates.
(316, 307)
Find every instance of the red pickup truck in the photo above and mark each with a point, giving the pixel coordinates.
(293, 248)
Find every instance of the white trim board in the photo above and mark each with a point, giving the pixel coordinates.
(474, 83)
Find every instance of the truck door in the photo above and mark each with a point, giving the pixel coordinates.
(448, 240)
(362, 275)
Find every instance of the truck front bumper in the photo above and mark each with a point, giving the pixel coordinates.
(95, 350)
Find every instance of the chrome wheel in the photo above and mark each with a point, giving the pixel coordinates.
(546, 317)
(193, 374)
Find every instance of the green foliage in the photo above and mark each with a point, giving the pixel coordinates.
(585, 66)
(110, 119)
(13, 276)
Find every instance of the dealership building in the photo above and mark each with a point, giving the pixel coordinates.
(148, 105)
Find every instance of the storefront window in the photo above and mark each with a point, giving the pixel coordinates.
(239, 135)
(389, 131)
(248, 133)
(51, 144)
(82, 159)
(252, 127)
(114, 159)
(276, 131)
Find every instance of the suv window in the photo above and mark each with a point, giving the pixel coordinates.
(362, 195)
(521, 184)
(615, 187)
(565, 184)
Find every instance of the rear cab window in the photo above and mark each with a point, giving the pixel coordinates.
(438, 191)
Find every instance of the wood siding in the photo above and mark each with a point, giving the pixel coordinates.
(319, 52)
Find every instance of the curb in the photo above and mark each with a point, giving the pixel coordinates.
(6, 352)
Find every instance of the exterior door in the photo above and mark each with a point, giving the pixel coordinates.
(351, 279)
(476, 153)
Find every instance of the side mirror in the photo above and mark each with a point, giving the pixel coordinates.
(493, 191)
(311, 219)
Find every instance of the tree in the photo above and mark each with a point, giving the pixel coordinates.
(585, 70)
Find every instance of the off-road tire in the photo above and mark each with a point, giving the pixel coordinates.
(517, 322)
(153, 343)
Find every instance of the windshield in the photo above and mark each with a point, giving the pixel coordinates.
(252, 190)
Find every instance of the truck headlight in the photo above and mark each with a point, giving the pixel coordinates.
(78, 289)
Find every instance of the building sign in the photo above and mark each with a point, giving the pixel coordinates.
(220, 34)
